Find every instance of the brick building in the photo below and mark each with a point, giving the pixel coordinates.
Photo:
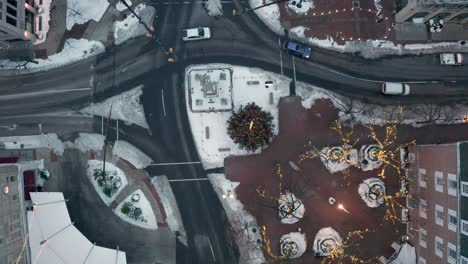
(438, 221)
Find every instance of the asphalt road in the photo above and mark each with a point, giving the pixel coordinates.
(241, 40)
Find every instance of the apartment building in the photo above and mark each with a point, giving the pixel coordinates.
(438, 221)
(17, 21)
(451, 11)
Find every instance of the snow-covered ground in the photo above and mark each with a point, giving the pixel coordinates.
(81, 11)
(324, 239)
(130, 26)
(144, 205)
(372, 192)
(44, 13)
(112, 171)
(132, 154)
(373, 49)
(217, 146)
(73, 50)
(121, 7)
(214, 7)
(87, 142)
(125, 107)
(241, 221)
(295, 243)
(173, 217)
(303, 8)
(270, 15)
(50, 141)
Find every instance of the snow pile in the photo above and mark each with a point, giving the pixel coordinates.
(248, 86)
(43, 8)
(303, 8)
(325, 239)
(87, 142)
(293, 245)
(372, 192)
(373, 49)
(246, 229)
(73, 50)
(378, 6)
(270, 15)
(214, 7)
(147, 219)
(132, 154)
(173, 217)
(125, 107)
(407, 255)
(130, 26)
(341, 164)
(290, 208)
(50, 141)
(81, 11)
(121, 7)
(111, 171)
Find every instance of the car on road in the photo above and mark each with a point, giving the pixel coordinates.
(451, 59)
(197, 33)
(297, 49)
(393, 88)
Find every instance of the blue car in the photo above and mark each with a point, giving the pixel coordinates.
(297, 49)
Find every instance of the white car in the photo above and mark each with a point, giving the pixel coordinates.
(198, 33)
(392, 88)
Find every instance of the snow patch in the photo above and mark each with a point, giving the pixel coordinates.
(73, 50)
(111, 170)
(214, 7)
(125, 107)
(378, 6)
(372, 192)
(303, 8)
(289, 201)
(130, 26)
(241, 221)
(144, 205)
(121, 7)
(81, 11)
(324, 239)
(248, 85)
(270, 15)
(50, 141)
(293, 244)
(87, 142)
(132, 154)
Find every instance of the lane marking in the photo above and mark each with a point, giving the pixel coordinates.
(212, 251)
(182, 180)
(22, 95)
(175, 163)
(162, 99)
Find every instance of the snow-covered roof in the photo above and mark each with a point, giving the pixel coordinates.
(54, 239)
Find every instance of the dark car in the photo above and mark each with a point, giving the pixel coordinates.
(297, 49)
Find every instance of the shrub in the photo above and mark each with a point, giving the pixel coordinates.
(126, 208)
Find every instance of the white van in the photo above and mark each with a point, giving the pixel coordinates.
(395, 88)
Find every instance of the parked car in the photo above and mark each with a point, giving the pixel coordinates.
(393, 88)
(197, 33)
(451, 59)
(297, 49)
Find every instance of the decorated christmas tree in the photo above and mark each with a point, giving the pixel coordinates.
(251, 127)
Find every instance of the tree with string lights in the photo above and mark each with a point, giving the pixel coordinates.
(251, 127)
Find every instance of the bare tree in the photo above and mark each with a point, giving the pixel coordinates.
(432, 113)
(349, 107)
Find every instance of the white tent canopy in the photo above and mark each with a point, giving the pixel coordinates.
(54, 240)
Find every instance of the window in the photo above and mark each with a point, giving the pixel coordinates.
(422, 260)
(11, 21)
(12, 178)
(464, 260)
(439, 215)
(439, 246)
(439, 181)
(464, 188)
(412, 202)
(464, 227)
(422, 237)
(451, 253)
(452, 184)
(422, 179)
(422, 208)
(410, 230)
(452, 220)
